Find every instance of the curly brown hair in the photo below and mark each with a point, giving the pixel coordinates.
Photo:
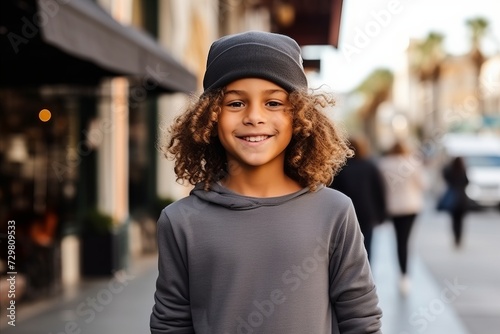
(316, 152)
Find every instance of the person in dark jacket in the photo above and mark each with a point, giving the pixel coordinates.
(455, 176)
(361, 180)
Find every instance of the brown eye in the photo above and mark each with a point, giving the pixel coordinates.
(274, 104)
(235, 104)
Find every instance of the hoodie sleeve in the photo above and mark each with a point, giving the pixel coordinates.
(352, 289)
(171, 311)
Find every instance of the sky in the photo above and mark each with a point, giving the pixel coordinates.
(375, 33)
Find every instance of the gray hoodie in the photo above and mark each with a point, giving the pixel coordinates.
(293, 264)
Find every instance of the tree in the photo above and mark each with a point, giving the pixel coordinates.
(375, 89)
(425, 62)
(478, 29)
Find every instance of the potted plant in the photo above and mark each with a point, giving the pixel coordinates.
(97, 244)
(159, 204)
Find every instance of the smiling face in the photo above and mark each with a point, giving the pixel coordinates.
(254, 125)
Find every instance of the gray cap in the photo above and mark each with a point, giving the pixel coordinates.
(255, 54)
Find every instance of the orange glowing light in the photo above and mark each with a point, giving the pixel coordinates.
(44, 115)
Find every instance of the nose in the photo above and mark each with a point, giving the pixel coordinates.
(254, 114)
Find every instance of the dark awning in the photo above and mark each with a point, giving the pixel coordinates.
(309, 22)
(77, 42)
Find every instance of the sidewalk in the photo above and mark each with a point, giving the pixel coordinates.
(119, 304)
(122, 304)
(427, 309)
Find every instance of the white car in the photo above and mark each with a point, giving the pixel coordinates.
(482, 159)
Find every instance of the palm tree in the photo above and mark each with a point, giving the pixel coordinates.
(478, 28)
(375, 89)
(426, 62)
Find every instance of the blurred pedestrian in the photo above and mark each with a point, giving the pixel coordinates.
(361, 180)
(404, 193)
(260, 245)
(455, 176)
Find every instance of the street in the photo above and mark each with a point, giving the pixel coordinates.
(452, 291)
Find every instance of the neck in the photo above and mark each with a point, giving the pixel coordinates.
(260, 182)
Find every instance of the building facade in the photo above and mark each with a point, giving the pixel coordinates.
(80, 83)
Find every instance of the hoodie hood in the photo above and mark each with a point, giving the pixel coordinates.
(222, 196)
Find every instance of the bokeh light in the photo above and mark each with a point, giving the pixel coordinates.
(44, 115)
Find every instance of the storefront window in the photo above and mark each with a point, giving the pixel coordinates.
(38, 180)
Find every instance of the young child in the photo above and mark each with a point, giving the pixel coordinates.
(260, 245)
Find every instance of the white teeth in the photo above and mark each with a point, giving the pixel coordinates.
(256, 138)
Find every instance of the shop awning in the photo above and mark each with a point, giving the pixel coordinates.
(309, 22)
(77, 42)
